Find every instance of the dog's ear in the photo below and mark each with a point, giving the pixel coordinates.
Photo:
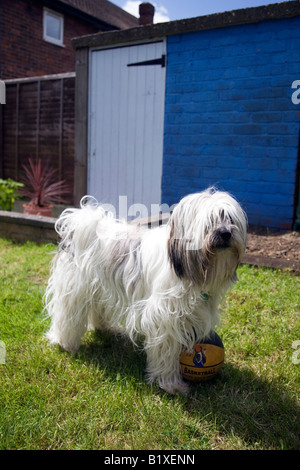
(187, 261)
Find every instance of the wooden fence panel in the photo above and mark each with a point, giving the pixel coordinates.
(10, 134)
(27, 124)
(38, 121)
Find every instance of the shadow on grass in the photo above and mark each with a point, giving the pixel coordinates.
(262, 414)
(113, 354)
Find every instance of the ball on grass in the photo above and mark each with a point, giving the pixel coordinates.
(205, 361)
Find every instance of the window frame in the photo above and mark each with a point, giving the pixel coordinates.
(57, 42)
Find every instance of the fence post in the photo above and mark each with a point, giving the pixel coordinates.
(81, 122)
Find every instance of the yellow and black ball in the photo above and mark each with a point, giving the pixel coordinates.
(205, 361)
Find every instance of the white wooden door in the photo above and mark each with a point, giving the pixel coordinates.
(126, 120)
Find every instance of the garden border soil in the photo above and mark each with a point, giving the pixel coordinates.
(274, 249)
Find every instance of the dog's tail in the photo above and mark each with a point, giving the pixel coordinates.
(76, 227)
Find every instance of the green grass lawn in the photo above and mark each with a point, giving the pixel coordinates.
(98, 399)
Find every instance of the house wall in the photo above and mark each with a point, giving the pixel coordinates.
(229, 118)
(24, 53)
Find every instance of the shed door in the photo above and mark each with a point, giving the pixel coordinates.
(127, 92)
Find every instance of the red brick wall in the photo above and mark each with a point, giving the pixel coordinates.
(24, 53)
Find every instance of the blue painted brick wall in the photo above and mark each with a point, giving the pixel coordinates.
(229, 118)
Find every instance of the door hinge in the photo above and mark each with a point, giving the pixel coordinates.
(161, 61)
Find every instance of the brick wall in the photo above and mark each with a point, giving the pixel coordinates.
(229, 118)
(24, 53)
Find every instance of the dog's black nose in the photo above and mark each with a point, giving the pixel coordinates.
(225, 235)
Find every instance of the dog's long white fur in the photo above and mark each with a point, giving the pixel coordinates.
(161, 287)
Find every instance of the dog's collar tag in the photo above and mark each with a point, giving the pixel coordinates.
(204, 296)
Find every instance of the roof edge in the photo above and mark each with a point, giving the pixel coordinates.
(274, 11)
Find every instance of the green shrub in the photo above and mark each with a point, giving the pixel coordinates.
(9, 192)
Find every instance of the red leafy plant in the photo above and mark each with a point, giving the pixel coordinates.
(41, 185)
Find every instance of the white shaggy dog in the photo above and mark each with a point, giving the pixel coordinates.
(162, 285)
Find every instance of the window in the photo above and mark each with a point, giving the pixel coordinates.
(53, 27)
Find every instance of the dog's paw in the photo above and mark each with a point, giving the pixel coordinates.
(178, 387)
